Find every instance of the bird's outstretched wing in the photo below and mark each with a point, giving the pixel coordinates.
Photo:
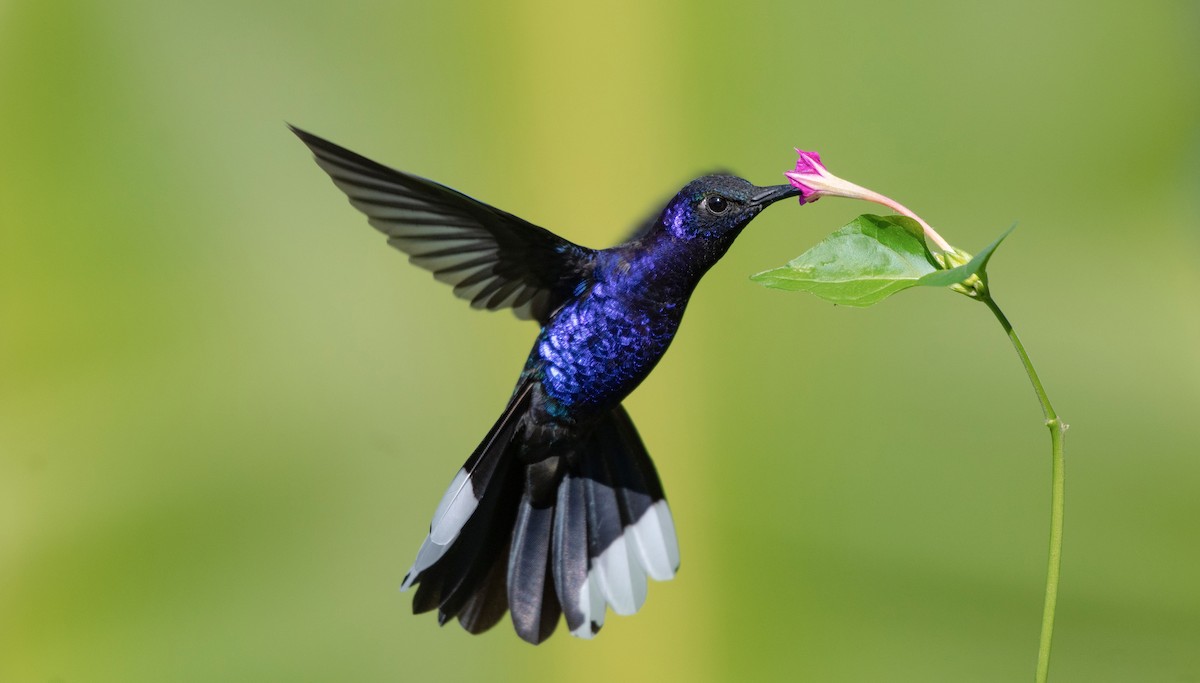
(492, 258)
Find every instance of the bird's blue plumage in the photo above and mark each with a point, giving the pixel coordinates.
(559, 511)
(598, 347)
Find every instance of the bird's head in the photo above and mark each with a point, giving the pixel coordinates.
(698, 226)
(716, 207)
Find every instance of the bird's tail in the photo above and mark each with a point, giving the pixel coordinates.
(570, 533)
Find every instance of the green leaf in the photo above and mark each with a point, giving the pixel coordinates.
(870, 259)
(861, 264)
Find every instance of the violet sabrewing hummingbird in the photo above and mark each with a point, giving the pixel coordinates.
(559, 510)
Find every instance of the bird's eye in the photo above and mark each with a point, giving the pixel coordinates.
(717, 204)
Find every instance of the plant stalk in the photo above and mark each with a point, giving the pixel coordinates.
(1058, 430)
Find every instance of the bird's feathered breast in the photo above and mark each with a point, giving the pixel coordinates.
(595, 350)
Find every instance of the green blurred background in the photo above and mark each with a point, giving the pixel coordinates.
(227, 408)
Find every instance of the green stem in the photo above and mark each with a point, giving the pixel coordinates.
(1057, 431)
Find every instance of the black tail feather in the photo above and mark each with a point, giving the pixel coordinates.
(487, 606)
(570, 553)
(569, 534)
(483, 540)
(616, 572)
(534, 608)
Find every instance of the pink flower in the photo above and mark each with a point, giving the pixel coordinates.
(815, 181)
(809, 177)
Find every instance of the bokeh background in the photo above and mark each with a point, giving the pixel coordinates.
(227, 408)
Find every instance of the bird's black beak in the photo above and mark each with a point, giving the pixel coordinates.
(770, 195)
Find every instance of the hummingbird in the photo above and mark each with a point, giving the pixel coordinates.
(559, 510)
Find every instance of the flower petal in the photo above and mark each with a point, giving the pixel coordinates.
(809, 162)
(809, 177)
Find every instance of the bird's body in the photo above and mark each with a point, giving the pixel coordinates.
(598, 347)
(559, 509)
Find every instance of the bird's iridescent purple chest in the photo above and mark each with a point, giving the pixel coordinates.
(597, 349)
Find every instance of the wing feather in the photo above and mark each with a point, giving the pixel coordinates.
(492, 258)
